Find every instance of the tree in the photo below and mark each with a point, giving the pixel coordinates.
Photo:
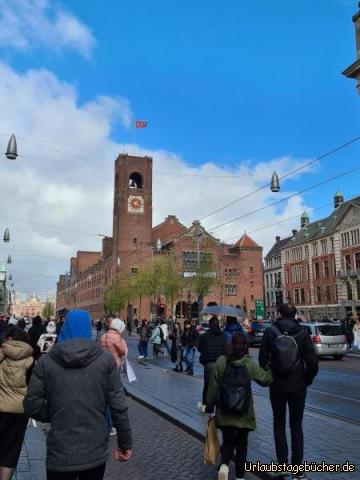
(114, 298)
(140, 283)
(48, 310)
(171, 281)
(204, 280)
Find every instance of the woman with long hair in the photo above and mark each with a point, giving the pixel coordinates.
(16, 359)
(176, 348)
(233, 372)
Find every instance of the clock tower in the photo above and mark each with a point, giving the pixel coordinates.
(132, 221)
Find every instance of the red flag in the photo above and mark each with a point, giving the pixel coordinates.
(140, 124)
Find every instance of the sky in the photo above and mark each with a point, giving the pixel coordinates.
(231, 92)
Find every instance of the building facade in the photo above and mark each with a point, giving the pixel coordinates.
(273, 277)
(353, 71)
(136, 244)
(321, 264)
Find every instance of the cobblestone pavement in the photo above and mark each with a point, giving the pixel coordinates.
(161, 452)
(329, 439)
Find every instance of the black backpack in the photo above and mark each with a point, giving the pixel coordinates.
(235, 390)
(285, 356)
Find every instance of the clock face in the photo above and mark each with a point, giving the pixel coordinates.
(135, 204)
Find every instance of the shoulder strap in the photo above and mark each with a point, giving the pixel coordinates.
(275, 330)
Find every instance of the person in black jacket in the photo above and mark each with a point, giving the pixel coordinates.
(189, 340)
(35, 332)
(289, 388)
(211, 347)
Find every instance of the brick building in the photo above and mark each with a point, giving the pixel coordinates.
(353, 71)
(321, 264)
(136, 243)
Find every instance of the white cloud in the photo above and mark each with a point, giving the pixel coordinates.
(63, 179)
(26, 24)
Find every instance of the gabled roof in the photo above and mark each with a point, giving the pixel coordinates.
(246, 242)
(324, 227)
(275, 250)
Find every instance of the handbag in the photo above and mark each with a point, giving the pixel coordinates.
(212, 446)
(129, 371)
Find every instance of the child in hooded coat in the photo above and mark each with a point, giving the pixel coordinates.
(47, 340)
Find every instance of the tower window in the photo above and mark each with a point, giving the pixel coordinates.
(135, 180)
(135, 241)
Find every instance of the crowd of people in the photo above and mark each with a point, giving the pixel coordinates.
(54, 366)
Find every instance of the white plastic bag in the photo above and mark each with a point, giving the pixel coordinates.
(129, 371)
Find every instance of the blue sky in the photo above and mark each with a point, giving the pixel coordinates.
(218, 82)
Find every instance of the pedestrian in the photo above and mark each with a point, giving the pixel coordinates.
(35, 332)
(235, 419)
(164, 342)
(21, 324)
(113, 342)
(71, 388)
(232, 326)
(189, 340)
(144, 335)
(47, 340)
(59, 324)
(99, 328)
(288, 349)
(356, 334)
(16, 359)
(156, 339)
(107, 322)
(211, 347)
(3, 327)
(349, 332)
(176, 348)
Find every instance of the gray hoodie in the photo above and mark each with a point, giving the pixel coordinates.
(71, 388)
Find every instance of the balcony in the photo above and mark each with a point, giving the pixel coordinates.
(348, 274)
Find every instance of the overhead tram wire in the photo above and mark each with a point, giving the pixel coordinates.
(343, 174)
(298, 169)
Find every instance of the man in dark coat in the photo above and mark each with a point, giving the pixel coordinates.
(71, 388)
(289, 388)
(211, 347)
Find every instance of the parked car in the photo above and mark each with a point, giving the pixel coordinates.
(256, 330)
(329, 339)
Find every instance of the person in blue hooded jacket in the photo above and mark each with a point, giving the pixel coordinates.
(232, 327)
(71, 388)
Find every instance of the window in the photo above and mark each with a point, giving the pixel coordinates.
(251, 283)
(327, 293)
(287, 276)
(251, 269)
(271, 279)
(332, 246)
(316, 271)
(296, 296)
(324, 246)
(134, 270)
(252, 298)
(315, 249)
(302, 295)
(357, 260)
(135, 180)
(306, 251)
(318, 294)
(334, 267)
(326, 268)
(230, 289)
(347, 262)
(349, 291)
(267, 281)
(134, 241)
(268, 299)
(358, 289)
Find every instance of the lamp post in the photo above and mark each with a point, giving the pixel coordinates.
(11, 150)
(9, 260)
(275, 183)
(6, 235)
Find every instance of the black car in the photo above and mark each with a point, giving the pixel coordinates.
(256, 331)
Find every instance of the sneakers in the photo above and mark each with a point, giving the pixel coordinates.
(223, 472)
(140, 357)
(112, 432)
(201, 407)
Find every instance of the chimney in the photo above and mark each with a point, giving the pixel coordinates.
(294, 232)
(277, 239)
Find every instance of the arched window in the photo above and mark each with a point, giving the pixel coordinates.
(135, 180)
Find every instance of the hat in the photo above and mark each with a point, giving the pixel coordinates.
(118, 325)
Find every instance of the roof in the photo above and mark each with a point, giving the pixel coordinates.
(246, 242)
(275, 250)
(323, 227)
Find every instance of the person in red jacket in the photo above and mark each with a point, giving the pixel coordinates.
(113, 342)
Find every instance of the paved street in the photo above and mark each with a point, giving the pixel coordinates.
(327, 424)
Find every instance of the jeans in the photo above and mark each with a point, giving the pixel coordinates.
(96, 473)
(189, 357)
(296, 402)
(179, 358)
(165, 344)
(208, 369)
(143, 348)
(235, 438)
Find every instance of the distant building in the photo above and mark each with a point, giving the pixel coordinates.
(135, 244)
(353, 71)
(31, 306)
(273, 280)
(321, 264)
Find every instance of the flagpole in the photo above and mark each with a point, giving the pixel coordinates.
(134, 138)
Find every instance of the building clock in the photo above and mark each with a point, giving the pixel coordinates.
(135, 204)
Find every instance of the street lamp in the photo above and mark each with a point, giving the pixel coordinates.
(275, 183)
(9, 259)
(11, 151)
(10, 277)
(7, 235)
